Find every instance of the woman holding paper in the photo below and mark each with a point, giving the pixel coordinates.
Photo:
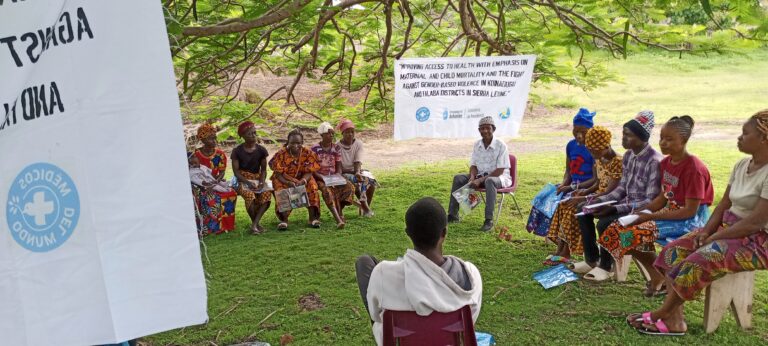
(210, 156)
(352, 166)
(682, 206)
(329, 157)
(578, 179)
(293, 166)
(735, 238)
(249, 164)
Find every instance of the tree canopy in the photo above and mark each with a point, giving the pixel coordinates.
(351, 44)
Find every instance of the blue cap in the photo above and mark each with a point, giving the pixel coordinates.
(584, 118)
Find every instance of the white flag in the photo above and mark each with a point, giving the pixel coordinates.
(97, 234)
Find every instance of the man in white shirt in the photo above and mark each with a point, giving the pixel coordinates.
(489, 169)
(424, 280)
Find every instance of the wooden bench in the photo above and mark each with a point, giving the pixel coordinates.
(735, 290)
(622, 271)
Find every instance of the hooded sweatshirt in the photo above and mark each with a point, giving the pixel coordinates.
(415, 283)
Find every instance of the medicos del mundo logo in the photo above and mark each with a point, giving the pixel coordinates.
(422, 114)
(43, 207)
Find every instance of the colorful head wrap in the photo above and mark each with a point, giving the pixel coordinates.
(642, 125)
(598, 138)
(345, 125)
(584, 118)
(205, 131)
(244, 127)
(324, 128)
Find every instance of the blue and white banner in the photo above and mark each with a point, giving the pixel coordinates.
(446, 97)
(97, 234)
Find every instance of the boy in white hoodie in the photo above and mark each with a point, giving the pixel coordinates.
(423, 280)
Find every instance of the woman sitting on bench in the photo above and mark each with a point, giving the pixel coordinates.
(733, 240)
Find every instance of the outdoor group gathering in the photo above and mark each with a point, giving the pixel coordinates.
(383, 172)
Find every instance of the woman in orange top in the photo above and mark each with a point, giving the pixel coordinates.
(293, 166)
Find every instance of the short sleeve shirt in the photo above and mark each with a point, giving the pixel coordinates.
(351, 154)
(580, 161)
(489, 159)
(327, 158)
(687, 179)
(747, 188)
(250, 162)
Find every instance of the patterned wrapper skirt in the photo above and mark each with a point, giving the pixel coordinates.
(249, 196)
(335, 195)
(618, 240)
(216, 210)
(691, 270)
(565, 227)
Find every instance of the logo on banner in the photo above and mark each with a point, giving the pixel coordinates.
(422, 114)
(43, 207)
(506, 115)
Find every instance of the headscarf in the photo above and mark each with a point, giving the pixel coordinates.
(598, 138)
(324, 128)
(584, 118)
(346, 124)
(244, 127)
(205, 130)
(642, 125)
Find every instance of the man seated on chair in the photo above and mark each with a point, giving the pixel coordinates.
(423, 280)
(489, 169)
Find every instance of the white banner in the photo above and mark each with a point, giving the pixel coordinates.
(446, 97)
(97, 233)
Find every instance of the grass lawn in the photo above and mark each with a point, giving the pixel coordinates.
(255, 282)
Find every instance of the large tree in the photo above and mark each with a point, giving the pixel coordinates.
(351, 44)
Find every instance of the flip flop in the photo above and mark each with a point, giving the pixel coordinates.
(580, 267)
(315, 224)
(282, 226)
(597, 274)
(340, 225)
(644, 318)
(661, 330)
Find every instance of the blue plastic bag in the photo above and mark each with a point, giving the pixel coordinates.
(484, 339)
(555, 276)
(538, 222)
(546, 200)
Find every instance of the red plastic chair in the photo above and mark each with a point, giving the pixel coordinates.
(439, 329)
(507, 190)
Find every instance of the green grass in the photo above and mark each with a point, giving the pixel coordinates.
(252, 277)
(715, 89)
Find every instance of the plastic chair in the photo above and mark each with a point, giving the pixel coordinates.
(439, 329)
(507, 190)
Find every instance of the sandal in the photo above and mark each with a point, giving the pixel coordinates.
(282, 226)
(643, 318)
(661, 329)
(597, 274)
(654, 292)
(555, 260)
(580, 267)
(340, 225)
(315, 224)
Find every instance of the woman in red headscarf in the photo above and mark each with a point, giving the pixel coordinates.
(249, 163)
(209, 155)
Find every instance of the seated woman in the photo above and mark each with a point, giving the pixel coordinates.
(210, 156)
(577, 178)
(249, 164)
(351, 166)
(208, 194)
(292, 166)
(735, 239)
(683, 205)
(608, 168)
(329, 156)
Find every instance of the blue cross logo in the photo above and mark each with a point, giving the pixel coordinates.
(43, 207)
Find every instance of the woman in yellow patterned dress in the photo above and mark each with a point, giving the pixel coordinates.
(564, 226)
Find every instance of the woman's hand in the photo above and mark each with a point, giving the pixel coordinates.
(563, 188)
(574, 201)
(301, 182)
(702, 238)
